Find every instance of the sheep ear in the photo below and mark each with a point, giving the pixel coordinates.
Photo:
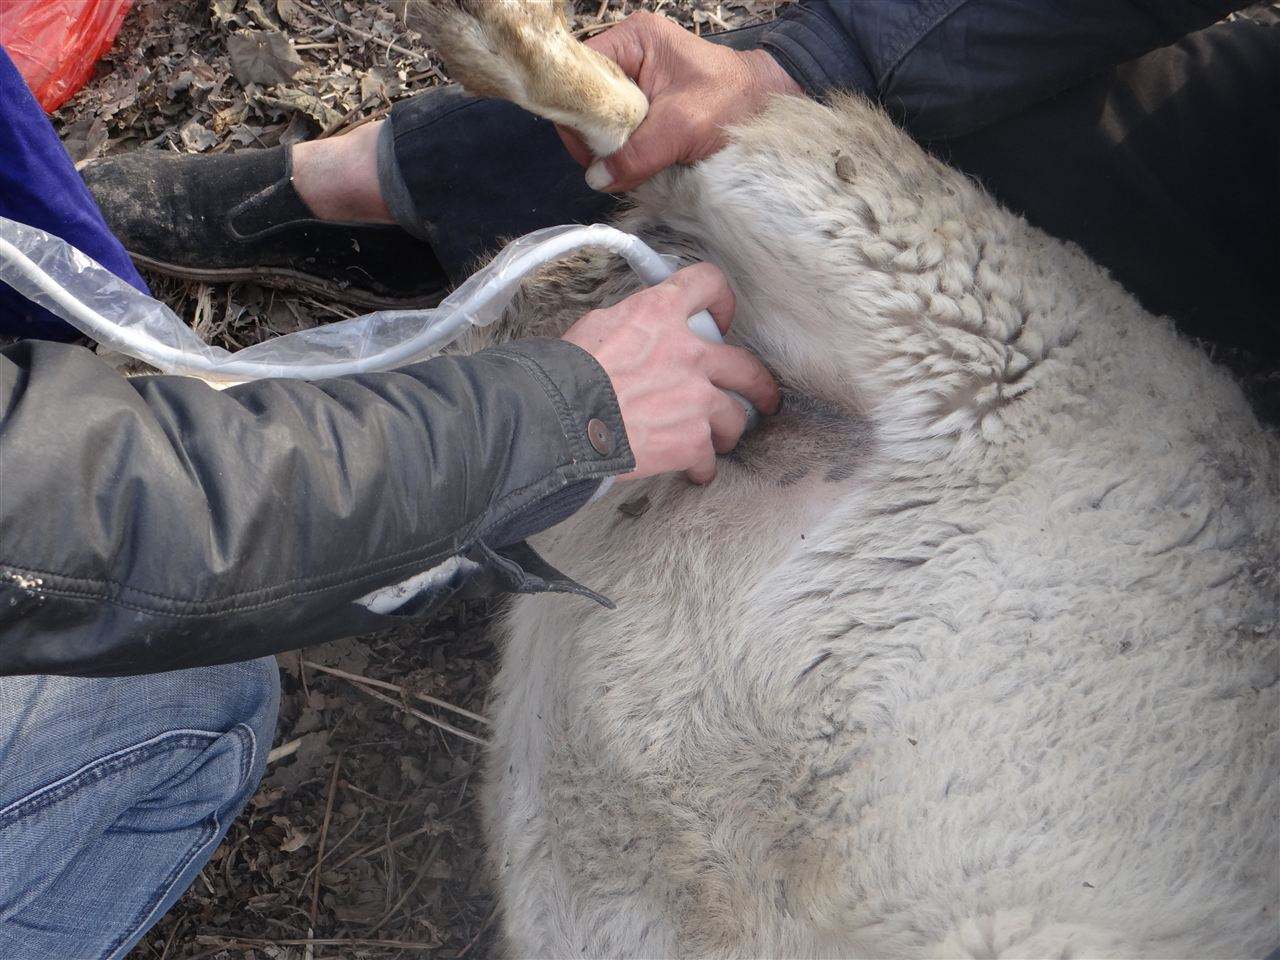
(523, 51)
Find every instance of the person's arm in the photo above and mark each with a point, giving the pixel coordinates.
(940, 67)
(948, 67)
(156, 523)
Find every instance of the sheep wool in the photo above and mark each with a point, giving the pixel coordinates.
(972, 651)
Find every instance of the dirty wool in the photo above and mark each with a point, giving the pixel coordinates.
(973, 652)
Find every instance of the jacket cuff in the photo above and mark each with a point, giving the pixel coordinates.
(816, 52)
(595, 438)
(593, 446)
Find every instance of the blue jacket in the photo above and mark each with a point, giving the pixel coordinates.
(947, 67)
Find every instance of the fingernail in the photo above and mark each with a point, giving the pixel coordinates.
(598, 176)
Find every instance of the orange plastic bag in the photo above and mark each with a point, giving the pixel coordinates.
(55, 43)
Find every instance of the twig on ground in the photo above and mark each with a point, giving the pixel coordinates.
(479, 933)
(342, 121)
(365, 34)
(284, 750)
(367, 118)
(425, 717)
(427, 862)
(330, 851)
(173, 938)
(348, 785)
(241, 942)
(369, 852)
(324, 835)
(396, 688)
(302, 671)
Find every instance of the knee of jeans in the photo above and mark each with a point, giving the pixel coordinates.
(51, 726)
(256, 685)
(249, 694)
(129, 788)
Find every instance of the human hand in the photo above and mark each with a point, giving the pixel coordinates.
(670, 384)
(695, 89)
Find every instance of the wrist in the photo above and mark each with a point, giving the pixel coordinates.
(767, 74)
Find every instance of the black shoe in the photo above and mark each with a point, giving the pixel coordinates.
(238, 217)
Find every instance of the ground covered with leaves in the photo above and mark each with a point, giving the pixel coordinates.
(363, 840)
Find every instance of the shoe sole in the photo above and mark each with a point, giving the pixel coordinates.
(281, 278)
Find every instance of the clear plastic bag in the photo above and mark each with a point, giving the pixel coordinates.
(52, 273)
(55, 43)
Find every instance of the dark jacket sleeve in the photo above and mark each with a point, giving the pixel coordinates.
(948, 67)
(156, 523)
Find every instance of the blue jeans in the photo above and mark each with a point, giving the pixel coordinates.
(114, 793)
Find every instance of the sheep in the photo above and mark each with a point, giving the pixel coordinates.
(971, 651)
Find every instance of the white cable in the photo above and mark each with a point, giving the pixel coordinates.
(478, 305)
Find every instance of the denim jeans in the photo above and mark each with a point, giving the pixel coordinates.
(114, 793)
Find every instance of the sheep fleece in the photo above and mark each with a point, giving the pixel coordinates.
(970, 652)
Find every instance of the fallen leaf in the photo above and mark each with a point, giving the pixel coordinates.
(291, 13)
(85, 138)
(262, 56)
(294, 839)
(259, 14)
(287, 99)
(224, 11)
(195, 137)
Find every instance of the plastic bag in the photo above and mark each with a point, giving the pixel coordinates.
(55, 43)
(50, 272)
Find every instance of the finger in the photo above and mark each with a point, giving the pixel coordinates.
(702, 286)
(704, 471)
(649, 150)
(728, 419)
(573, 143)
(739, 370)
(623, 44)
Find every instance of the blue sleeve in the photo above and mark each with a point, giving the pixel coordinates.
(946, 67)
(39, 186)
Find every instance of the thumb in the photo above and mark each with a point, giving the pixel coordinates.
(573, 143)
(622, 44)
(648, 151)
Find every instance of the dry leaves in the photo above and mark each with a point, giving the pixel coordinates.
(262, 56)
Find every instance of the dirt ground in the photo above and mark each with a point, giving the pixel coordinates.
(363, 837)
(362, 841)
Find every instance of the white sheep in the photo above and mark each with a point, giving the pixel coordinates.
(972, 651)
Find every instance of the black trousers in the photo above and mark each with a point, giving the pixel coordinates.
(1166, 170)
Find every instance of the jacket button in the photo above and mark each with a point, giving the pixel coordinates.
(601, 437)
